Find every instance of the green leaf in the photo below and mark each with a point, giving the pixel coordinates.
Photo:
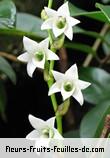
(7, 13)
(81, 47)
(72, 134)
(77, 29)
(96, 35)
(97, 15)
(93, 122)
(105, 1)
(93, 34)
(99, 91)
(2, 100)
(106, 48)
(28, 25)
(6, 68)
(105, 9)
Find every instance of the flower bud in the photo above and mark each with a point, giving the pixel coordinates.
(46, 71)
(63, 108)
(58, 42)
(44, 15)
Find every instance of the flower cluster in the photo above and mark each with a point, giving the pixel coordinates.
(37, 54)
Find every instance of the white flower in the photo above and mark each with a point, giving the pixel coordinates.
(69, 84)
(60, 21)
(44, 131)
(36, 54)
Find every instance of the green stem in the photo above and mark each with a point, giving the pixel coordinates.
(109, 135)
(55, 107)
(50, 3)
(59, 123)
(53, 98)
(50, 36)
(51, 80)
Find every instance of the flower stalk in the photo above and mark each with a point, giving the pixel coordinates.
(50, 2)
(51, 80)
(53, 99)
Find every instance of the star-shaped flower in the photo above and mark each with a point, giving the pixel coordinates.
(44, 131)
(60, 21)
(36, 54)
(69, 84)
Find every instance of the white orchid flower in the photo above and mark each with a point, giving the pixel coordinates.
(44, 131)
(36, 54)
(60, 21)
(69, 84)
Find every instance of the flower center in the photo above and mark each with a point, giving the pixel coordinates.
(61, 22)
(48, 133)
(68, 86)
(39, 56)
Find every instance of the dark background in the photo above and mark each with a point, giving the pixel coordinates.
(29, 95)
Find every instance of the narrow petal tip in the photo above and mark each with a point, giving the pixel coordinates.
(25, 38)
(23, 57)
(30, 117)
(51, 121)
(49, 93)
(19, 57)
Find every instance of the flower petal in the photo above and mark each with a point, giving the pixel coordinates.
(38, 64)
(30, 68)
(69, 32)
(64, 10)
(51, 56)
(44, 43)
(72, 21)
(57, 135)
(30, 45)
(33, 135)
(78, 96)
(47, 24)
(83, 84)
(57, 32)
(41, 142)
(50, 122)
(50, 12)
(54, 88)
(24, 57)
(57, 75)
(72, 72)
(37, 123)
